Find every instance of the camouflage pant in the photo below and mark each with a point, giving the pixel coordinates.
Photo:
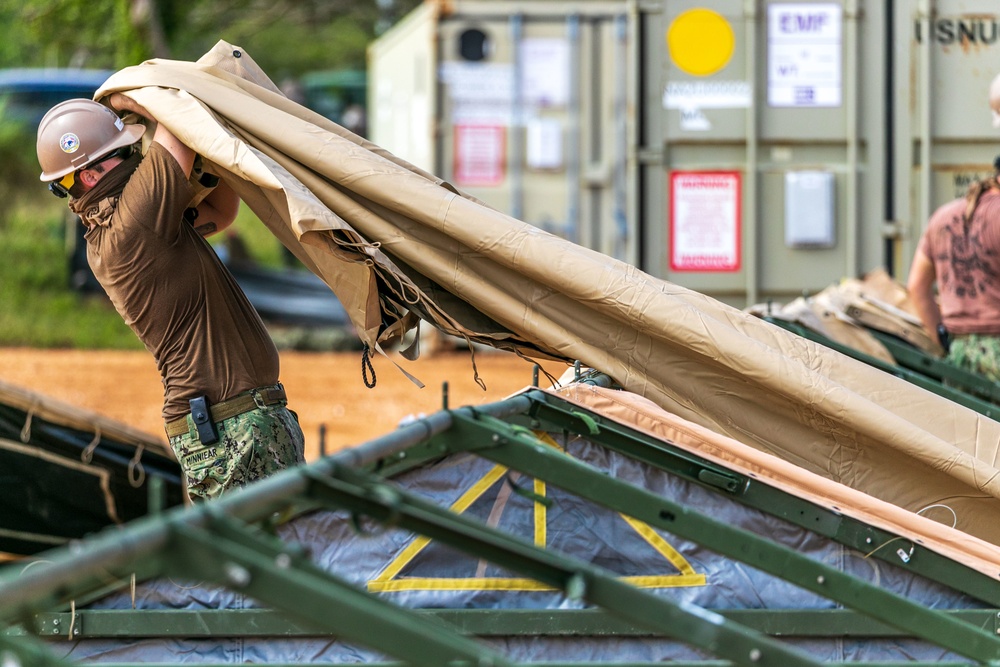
(978, 353)
(251, 446)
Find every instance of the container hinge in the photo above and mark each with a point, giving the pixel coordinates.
(892, 229)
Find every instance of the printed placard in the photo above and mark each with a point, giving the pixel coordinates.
(705, 232)
(804, 55)
(480, 154)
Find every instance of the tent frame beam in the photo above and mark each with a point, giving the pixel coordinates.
(520, 450)
(550, 412)
(249, 623)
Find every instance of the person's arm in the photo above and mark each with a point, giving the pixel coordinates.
(217, 210)
(920, 285)
(163, 136)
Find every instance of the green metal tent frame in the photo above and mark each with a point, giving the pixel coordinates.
(231, 542)
(916, 367)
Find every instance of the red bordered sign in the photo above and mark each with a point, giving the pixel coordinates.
(480, 154)
(705, 233)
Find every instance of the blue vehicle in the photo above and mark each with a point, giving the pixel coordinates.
(27, 93)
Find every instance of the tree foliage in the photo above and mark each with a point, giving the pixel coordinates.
(69, 33)
(286, 37)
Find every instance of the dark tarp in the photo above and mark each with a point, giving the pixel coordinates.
(65, 472)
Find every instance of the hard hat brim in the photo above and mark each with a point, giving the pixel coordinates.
(130, 134)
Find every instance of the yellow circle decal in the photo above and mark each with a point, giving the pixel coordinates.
(700, 41)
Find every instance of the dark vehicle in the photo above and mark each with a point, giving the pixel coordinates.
(340, 95)
(26, 94)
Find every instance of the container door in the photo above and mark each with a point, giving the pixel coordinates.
(762, 166)
(536, 116)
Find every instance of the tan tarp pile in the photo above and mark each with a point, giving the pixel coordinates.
(393, 242)
(845, 313)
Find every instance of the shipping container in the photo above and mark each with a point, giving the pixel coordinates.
(528, 106)
(750, 150)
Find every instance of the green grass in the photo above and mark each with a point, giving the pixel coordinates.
(38, 308)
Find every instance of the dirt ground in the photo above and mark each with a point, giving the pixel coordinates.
(325, 389)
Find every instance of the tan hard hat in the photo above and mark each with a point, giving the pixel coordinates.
(77, 132)
(995, 100)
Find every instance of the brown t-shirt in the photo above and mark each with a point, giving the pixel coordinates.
(172, 290)
(967, 264)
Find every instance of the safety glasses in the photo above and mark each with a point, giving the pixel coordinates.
(61, 187)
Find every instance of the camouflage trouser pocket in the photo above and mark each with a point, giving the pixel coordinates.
(251, 446)
(978, 353)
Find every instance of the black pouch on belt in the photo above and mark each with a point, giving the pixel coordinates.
(202, 417)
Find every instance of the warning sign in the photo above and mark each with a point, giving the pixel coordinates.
(705, 221)
(480, 155)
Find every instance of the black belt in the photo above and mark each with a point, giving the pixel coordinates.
(235, 406)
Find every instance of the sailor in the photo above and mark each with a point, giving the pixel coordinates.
(959, 252)
(225, 412)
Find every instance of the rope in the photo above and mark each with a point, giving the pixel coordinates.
(26, 431)
(475, 368)
(954, 515)
(87, 455)
(136, 464)
(876, 571)
(553, 380)
(903, 554)
(366, 366)
(185, 588)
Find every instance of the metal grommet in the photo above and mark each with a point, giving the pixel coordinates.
(236, 53)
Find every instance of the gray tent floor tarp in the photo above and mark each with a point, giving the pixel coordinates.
(398, 245)
(289, 296)
(459, 470)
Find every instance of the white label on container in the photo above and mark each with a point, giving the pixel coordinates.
(804, 55)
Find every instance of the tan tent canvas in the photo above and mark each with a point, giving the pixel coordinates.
(395, 244)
